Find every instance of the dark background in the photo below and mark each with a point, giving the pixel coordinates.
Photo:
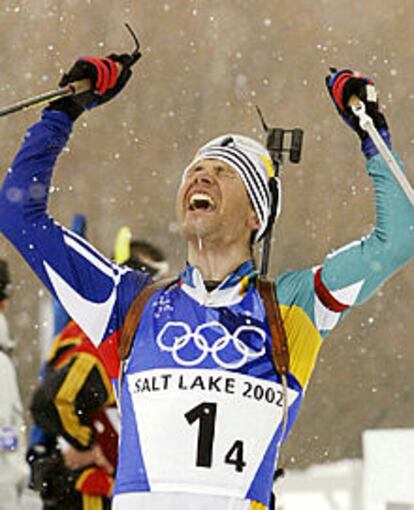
(206, 64)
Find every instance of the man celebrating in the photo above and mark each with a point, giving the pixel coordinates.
(201, 400)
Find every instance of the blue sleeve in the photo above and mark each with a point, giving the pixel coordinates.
(85, 282)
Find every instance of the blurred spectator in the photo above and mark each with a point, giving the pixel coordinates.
(12, 467)
(140, 255)
(73, 447)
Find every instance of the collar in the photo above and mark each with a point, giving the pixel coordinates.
(230, 291)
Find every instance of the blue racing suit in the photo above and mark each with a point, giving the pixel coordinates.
(200, 399)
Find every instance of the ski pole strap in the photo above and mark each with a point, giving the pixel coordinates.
(134, 314)
(280, 350)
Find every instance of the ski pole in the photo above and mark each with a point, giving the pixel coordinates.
(367, 124)
(72, 89)
(76, 87)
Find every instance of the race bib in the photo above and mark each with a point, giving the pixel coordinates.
(204, 431)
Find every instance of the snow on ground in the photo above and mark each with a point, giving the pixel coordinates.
(383, 480)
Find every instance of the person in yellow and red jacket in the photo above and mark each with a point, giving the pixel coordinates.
(74, 469)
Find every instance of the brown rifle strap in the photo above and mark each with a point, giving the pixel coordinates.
(134, 315)
(280, 350)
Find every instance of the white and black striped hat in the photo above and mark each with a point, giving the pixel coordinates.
(253, 163)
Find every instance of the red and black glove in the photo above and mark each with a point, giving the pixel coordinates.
(107, 81)
(344, 84)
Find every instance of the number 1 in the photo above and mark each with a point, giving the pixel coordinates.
(206, 413)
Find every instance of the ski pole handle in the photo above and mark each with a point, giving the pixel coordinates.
(354, 101)
(358, 108)
(367, 124)
(77, 87)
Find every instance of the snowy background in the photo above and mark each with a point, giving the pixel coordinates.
(205, 66)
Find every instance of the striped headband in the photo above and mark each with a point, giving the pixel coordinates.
(254, 165)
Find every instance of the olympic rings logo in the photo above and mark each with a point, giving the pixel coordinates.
(189, 348)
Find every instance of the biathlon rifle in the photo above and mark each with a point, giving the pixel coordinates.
(279, 141)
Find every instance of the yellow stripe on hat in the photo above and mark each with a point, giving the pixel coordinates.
(268, 163)
(122, 248)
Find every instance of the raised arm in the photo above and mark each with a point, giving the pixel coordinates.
(353, 273)
(84, 281)
(319, 297)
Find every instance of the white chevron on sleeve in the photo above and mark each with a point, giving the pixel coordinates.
(326, 319)
(348, 295)
(92, 317)
(88, 254)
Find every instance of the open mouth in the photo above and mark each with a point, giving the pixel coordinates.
(201, 202)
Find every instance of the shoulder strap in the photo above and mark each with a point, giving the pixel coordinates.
(280, 350)
(134, 315)
(267, 291)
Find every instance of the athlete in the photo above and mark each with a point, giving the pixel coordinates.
(200, 398)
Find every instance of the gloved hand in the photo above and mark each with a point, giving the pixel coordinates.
(48, 475)
(34, 454)
(344, 84)
(108, 77)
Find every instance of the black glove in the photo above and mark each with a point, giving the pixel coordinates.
(105, 78)
(344, 84)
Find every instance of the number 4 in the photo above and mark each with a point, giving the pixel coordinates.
(235, 456)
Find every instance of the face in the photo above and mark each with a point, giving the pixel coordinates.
(212, 203)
